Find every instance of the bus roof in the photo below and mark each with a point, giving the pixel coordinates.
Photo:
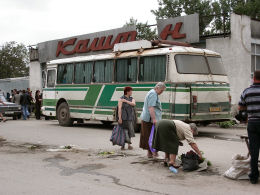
(152, 51)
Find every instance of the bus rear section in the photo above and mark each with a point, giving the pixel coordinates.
(206, 90)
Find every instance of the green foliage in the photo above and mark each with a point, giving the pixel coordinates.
(144, 32)
(250, 8)
(13, 60)
(214, 14)
(226, 124)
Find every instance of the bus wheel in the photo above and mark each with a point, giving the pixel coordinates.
(63, 115)
(107, 123)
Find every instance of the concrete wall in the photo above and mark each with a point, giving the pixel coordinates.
(236, 54)
(35, 76)
(6, 85)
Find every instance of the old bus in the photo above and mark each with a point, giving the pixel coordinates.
(88, 87)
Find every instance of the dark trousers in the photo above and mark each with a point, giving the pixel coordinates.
(38, 111)
(253, 130)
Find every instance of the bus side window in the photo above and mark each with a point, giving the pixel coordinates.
(51, 78)
(126, 70)
(65, 73)
(141, 69)
(152, 68)
(103, 71)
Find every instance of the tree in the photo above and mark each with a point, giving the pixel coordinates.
(248, 7)
(174, 8)
(144, 32)
(214, 14)
(14, 59)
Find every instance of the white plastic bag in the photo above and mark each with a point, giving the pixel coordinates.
(240, 167)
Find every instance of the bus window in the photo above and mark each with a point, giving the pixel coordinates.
(152, 68)
(126, 70)
(191, 64)
(83, 72)
(51, 78)
(65, 73)
(103, 71)
(79, 73)
(216, 65)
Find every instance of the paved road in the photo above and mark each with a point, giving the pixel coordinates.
(29, 165)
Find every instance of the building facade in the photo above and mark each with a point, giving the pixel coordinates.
(240, 50)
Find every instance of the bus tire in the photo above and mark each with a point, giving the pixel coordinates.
(63, 115)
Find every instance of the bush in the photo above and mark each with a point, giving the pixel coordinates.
(226, 124)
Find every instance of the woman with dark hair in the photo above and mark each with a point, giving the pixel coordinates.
(126, 115)
(38, 104)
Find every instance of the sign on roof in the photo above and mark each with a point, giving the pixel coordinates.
(183, 28)
(100, 42)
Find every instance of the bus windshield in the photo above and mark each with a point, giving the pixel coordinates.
(191, 64)
(197, 64)
(216, 65)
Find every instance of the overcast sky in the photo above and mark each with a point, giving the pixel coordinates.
(34, 21)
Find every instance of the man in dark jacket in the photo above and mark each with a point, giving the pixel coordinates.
(25, 101)
(250, 102)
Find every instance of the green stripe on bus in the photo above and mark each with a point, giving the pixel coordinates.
(49, 102)
(148, 89)
(210, 85)
(210, 89)
(90, 98)
(80, 111)
(204, 107)
(104, 112)
(66, 89)
(50, 109)
(211, 116)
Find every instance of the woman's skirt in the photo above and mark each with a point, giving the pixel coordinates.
(128, 127)
(165, 137)
(144, 135)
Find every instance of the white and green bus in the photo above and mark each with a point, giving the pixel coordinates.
(88, 87)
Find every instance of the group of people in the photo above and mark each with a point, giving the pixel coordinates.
(27, 102)
(168, 134)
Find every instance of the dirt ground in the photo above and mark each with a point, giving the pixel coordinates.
(31, 162)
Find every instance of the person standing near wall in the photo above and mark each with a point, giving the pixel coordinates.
(25, 101)
(152, 112)
(17, 97)
(250, 102)
(38, 103)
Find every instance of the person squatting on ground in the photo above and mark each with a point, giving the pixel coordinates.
(167, 137)
(152, 112)
(126, 115)
(250, 102)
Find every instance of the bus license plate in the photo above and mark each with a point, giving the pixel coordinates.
(8, 112)
(215, 109)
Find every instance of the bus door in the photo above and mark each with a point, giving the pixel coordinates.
(180, 101)
(49, 94)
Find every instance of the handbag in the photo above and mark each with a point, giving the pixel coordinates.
(150, 141)
(118, 136)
